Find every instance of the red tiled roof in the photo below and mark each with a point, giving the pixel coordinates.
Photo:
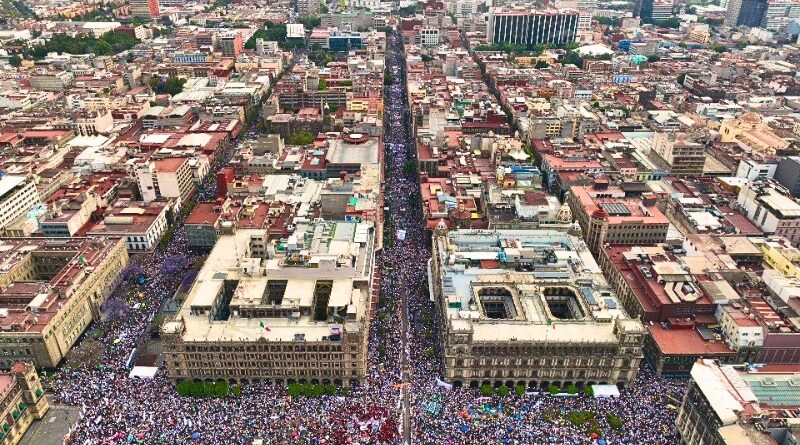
(686, 342)
(169, 164)
(203, 213)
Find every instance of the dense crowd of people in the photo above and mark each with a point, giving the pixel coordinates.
(118, 409)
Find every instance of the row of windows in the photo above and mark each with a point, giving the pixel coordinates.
(268, 357)
(537, 351)
(301, 373)
(262, 365)
(534, 374)
(265, 348)
(566, 362)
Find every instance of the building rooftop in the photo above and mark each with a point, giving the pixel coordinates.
(618, 208)
(9, 183)
(28, 306)
(171, 164)
(677, 341)
(129, 218)
(341, 151)
(312, 282)
(526, 285)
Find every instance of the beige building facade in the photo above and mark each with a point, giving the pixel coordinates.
(607, 215)
(529, 307)
(50, 291)
(22, 401)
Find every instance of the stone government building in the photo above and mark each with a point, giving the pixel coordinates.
(50, 291)
(279, 312)
(529, 307)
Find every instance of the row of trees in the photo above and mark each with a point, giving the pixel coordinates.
(220, 388)
(311, 390)
(607, 21)
(516, 48)
(502, 390)
(109, 43)
(570, 389)
(672, 22)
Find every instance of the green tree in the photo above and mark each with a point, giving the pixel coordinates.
(672, 22)
(299, 138)
(578, 418)
(720, 48)
(158, 320)
(323, 85)
(197, 388)
(541, 64)
(236, 390)
(109, 43)
(293, 389)
(588, 390)
(221, 388)
(184, 388)
(502, 391)
(487, 390)
(330, 389)
(310, 22)
(572, 58)
(572, 389)
(520, 390)
(607, 21)
(553, 389)
(320, 56)
(653, 58)
(410, 168)
(410, 11)
(615, 422)
(15, 60)
(273, 33)
(172, 85)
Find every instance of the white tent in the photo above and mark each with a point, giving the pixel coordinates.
(605, 391)
(143, 372)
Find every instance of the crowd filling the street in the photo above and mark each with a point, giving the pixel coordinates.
(119, 409)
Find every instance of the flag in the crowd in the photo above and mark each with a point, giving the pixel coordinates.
(264, 326)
